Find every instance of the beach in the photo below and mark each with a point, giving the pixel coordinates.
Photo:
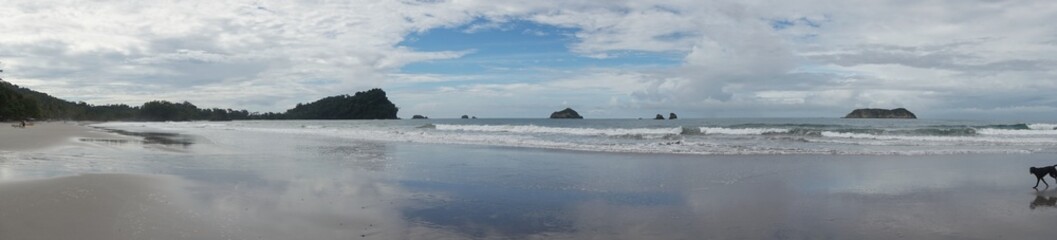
(455, 119)
(96, 206)
(215, 180)
(43, 135)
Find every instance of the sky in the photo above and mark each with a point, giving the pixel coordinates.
(957, 59)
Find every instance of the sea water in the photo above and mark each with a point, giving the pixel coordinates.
(682, 136)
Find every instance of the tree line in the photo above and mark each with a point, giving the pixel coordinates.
(17, 103)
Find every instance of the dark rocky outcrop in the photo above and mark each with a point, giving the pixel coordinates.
(567, 113)
(881, 113)
(419, 117)
(659, 117)
(465, 117)
(474, 117)
(672, 116)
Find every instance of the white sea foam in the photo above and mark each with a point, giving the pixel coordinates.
(992, 131)
(1042, 126)
(712, 141)
(741, 131)
(966, 139)
(559, 130)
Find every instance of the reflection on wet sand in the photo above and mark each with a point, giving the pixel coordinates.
(1044, 198)
(269, 186)
(147, 138)
(366, 155)
(1041, 201)
(302, 208)
(99, 206)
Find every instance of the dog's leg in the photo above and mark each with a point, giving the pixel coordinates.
(1044, 181)
(1037, 183)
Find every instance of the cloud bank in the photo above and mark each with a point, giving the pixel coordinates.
(804, 58)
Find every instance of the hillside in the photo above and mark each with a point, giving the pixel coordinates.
(17, 103)
(370, 104)
(21, 103)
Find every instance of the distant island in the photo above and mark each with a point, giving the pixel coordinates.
(18, 103)
(902, 113)
(567, 113)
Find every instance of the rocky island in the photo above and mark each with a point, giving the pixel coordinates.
(901, 113)
(567, 113)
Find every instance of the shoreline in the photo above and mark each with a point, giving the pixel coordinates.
(47, 135)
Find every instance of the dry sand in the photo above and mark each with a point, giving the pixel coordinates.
(43, 135)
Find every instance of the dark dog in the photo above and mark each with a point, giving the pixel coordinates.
(1041, 172)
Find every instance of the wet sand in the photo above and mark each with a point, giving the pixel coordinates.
(273, 186)
(575, 195)
(97, 206)
(44, 135)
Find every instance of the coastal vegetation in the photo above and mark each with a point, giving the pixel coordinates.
(14, 105)
(18, 103)
(881, 113)
(370, 104)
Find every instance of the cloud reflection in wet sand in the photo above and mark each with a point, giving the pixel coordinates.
(273, 186)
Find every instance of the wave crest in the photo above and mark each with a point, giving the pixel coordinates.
(560, 130)
(742, 131)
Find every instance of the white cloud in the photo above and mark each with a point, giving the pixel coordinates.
(800, 57)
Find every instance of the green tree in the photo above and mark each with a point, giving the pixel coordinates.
(370, 104)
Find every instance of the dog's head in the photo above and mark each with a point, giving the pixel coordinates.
(1032, 170)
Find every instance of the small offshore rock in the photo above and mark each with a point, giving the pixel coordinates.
(567, 113)
(901, 113)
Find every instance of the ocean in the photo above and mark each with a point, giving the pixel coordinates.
(682, 136)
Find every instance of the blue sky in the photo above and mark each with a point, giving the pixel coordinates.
(517, 46)
(515, 52)
(522, 58)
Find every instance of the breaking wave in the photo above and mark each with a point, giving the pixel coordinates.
(639, 138)
(533, 129)
(810, 130)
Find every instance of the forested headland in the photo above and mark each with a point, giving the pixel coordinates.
(18, 103)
